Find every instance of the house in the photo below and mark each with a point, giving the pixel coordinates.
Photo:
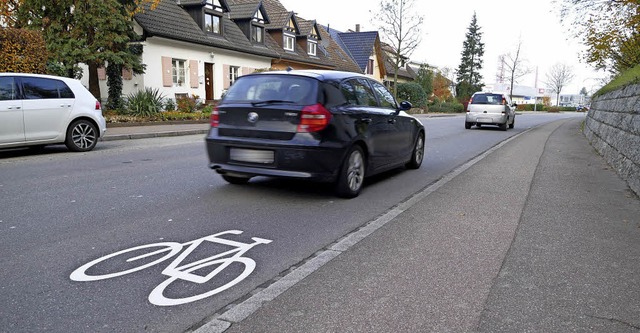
(405, 72)
(200, 47)
(365, 48)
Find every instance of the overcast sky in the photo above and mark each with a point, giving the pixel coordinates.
(545, 41)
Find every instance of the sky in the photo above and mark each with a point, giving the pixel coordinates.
(545, 40)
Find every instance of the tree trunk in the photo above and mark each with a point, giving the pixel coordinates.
(94, 84)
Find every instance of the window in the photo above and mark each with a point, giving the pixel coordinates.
(178, 72)
(312, 48)
(39, 88)
(357, 92)
(234, 72)
(212, 23)
(257, 35)
(7, 88)
(384, 96)
(370, 67)
(289, 42)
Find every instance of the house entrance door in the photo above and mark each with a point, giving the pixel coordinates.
(208, 81)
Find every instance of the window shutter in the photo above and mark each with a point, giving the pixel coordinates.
(167, 79)
(127, 74)
(225, 75)
(102, 73)
(193, 73)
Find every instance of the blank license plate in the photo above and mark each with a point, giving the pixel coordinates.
(251, 155)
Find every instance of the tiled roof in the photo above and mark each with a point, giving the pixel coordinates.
(339, 57)
(169, 20)
(244, 10)
(305, 26)
(360, 45)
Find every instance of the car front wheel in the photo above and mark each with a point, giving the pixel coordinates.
(418, 153)
(82, 135)
(351, 175)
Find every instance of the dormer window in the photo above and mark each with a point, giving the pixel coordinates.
(213, 17)
(312, 47)
(257, 34)
(289, 42)
(257, 28)
(212, 23)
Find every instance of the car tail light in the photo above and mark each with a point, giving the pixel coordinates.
(215, 117)
(313, 118)
(98, 107)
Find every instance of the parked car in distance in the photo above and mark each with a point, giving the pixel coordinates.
(487, 108)
(37, 110)
(327, 126)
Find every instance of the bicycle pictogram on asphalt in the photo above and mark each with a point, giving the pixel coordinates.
(176, 271)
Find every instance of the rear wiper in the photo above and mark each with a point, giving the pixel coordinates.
(271, 101)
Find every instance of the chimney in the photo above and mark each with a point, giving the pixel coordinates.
(357, 27)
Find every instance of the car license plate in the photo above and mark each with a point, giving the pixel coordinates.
(485, 120)
(251, 155)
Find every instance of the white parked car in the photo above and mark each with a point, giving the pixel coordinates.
(38, 110)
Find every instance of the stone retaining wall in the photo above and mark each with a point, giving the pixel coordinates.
(613, 129)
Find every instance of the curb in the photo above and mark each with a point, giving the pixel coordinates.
(152, 135)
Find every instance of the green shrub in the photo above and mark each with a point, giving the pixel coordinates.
(446, 107)
(169, 105)
(530, 107)
(144, 103)
(189, 104)
(413, 93)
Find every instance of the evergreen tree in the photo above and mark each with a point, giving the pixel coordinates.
(469, 77)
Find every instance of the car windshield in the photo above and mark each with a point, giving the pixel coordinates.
(267, 89)
(487, 99)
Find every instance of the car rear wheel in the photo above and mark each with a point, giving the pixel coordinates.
(418, 153)
(82, 135)
(513, 123)
(351, 175)
(236, 180)
(504, 126)
(467, 125)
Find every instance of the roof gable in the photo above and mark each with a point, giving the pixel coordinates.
(361, 45)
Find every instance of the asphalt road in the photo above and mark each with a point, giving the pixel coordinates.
(61, 210)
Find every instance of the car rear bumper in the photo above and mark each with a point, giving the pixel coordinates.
(288, 161)
(487, 118)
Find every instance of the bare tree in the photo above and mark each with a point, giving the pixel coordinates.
(400, 27)
(515, 66)
(558, 77)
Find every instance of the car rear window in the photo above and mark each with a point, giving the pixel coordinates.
(263, 88)
(43, 88)
(487, 99)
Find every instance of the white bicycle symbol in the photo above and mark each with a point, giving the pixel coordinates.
(184, 272)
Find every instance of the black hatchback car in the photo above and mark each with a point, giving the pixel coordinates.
(319, 125)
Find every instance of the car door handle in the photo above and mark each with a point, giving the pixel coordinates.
(365, 120)
(11, 107)
(65, 105)
(392, 121)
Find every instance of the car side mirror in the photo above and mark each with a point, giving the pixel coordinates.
(405, 105)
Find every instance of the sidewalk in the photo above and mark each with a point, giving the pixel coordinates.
(154, 131)
(537, 236)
